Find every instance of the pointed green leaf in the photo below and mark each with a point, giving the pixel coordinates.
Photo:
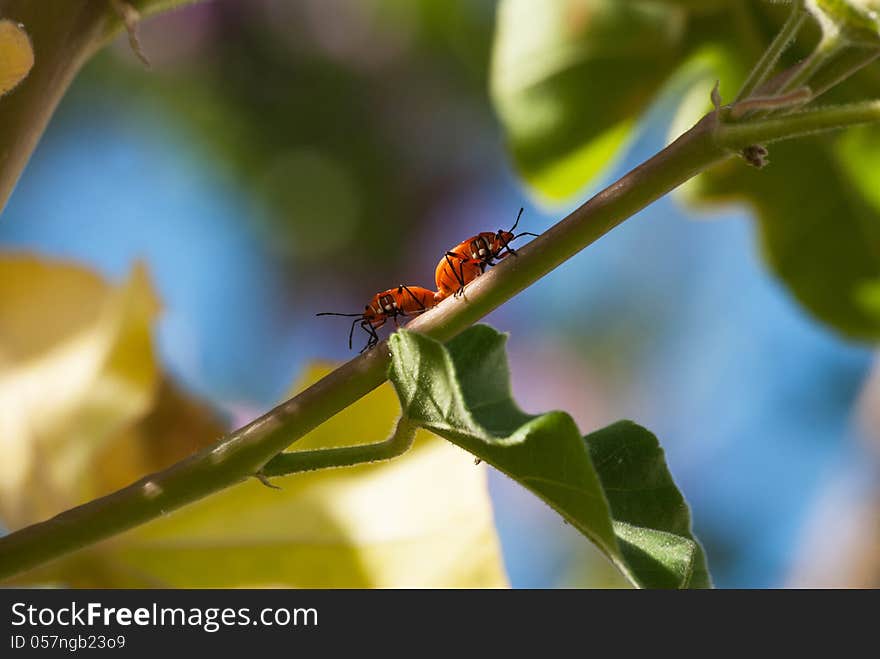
(613, 485)
(651, 517)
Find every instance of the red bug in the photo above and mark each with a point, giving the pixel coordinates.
(399, 301)
(453, 273)
(470, 258)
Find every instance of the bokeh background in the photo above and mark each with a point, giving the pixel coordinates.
(284, 158)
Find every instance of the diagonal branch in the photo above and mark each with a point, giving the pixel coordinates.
(244, 452)
(784, 37)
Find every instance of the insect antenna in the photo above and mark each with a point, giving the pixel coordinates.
(524, 233)
(518, 215)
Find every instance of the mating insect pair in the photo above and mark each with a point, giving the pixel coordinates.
(458, 267)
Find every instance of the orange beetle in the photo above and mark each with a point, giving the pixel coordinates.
(453, 273)
(400, 301)
(470, 258)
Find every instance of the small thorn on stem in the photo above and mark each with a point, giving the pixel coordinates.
(260, 476)
(130, 17)
(477, 461)
(716, 96)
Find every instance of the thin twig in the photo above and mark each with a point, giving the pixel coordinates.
(798, 124)
(847, 64)
(764, 67)
(827, 48)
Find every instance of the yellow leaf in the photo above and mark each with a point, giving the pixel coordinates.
(421, 520)
(16, 55)
(76, 367)
(176, 427)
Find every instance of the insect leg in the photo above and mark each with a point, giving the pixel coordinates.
(404, 287)
(459, 276)
(373, 339)
(505, 245)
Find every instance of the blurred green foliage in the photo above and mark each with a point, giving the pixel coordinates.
(816, 204)
(295, 101)
(557, 73)
(857, 21)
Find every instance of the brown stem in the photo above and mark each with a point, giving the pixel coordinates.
(64, 35)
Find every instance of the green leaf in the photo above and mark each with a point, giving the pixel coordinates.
(570, 78)
(859, 152)
(613, 485)
(651, 517)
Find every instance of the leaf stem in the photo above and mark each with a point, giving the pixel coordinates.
(797, 124)
(764, 67)
(848, 63)
(295, 462)
(63, 39)
(830, 45)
